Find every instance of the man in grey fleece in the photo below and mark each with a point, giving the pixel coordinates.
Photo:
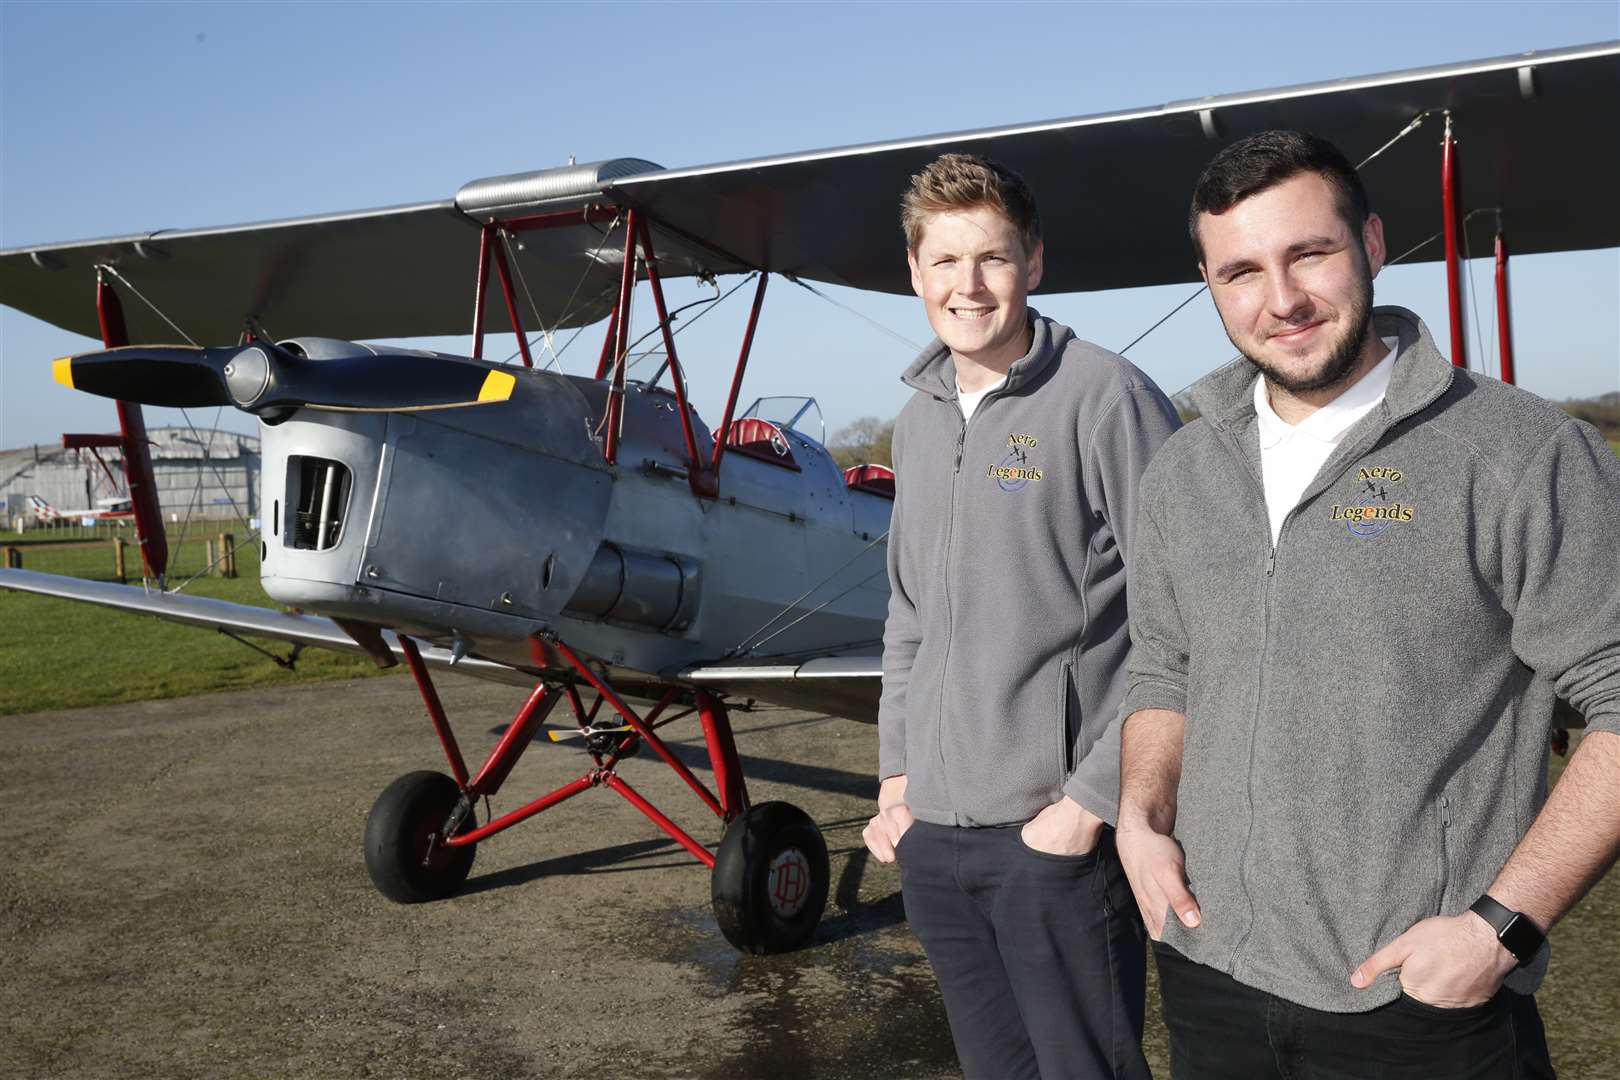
(1003, 662)
(1360, 579)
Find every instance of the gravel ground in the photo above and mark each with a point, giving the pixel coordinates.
(185, 897)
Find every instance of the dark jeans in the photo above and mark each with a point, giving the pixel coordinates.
(1221, 1029)
(1039, 957)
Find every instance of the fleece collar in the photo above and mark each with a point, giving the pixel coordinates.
(934, 371)
(1226, 395)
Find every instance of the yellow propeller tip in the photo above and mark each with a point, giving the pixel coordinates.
(62, 371)
(497, 387)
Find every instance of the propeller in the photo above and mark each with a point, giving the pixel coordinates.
(270, 381)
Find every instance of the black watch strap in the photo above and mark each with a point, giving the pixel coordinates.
(1517, 933)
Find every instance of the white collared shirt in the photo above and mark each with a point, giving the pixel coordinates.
(970, 401)
(1292, 454)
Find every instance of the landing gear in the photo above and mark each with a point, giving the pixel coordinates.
(770, 879)
(404, 854)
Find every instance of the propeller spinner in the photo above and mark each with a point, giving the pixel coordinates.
(270, 381)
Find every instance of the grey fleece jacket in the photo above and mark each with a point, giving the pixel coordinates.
(1368, 703)
(1004, 651)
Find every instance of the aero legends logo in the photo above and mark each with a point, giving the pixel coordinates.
(1015, 472)
(1373, 517)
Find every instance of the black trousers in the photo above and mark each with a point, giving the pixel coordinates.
(1221, 1029)
(1040, 958)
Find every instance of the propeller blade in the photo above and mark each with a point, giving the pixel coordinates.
(385, 382)
(178, 376)
(265, 379)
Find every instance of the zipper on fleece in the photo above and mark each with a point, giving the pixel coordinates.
(1259, 488)
(950, 626)
(950, 543)
(1354, 453)
(1342, 457)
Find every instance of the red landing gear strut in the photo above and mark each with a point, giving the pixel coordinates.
(769, 874)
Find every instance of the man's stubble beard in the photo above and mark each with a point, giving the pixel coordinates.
(1341, 362)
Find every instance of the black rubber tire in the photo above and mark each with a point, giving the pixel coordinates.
(404, 816)
(750, 916)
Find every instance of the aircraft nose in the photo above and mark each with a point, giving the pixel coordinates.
(247, 374)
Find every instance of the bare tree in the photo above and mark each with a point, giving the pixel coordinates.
(867, 441)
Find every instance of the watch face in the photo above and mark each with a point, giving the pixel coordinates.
(1521, 938)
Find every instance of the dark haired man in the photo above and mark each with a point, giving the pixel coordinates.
(1003, 658)
(1360, 579)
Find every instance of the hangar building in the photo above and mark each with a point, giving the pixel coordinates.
(200, 474)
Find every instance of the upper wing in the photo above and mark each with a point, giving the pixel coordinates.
(240, 619)
(1114, 188)
(400, 271)
(1536, 132)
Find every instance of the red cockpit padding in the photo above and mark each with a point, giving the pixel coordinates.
(877, 479)
(761, 439)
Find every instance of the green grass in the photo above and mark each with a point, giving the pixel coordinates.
(60, 654)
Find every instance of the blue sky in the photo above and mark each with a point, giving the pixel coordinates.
(125, 117)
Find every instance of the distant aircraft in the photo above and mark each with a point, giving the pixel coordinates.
(577, 533)
(118, 509)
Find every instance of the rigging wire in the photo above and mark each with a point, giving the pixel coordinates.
(744, 645)
(1415, 123)
(901, 338)
(1473, 294)
(534, 308)
(1421, 244)
(112, 270)
(626, 320)
(743, 281)
(1201, 291)
(206, 444)
(568, 305)
(217, 560)
(635, 358)
(631, 360)
(820, 650)
(1496, 314)
(766, 641)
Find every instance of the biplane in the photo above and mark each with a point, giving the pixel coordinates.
(113, 508)
(608, 546)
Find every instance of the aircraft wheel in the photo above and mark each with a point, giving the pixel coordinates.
(770, 879)
(399, 832)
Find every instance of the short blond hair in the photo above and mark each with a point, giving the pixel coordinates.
(955, 182)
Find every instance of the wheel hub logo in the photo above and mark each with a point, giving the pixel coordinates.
(789, 882)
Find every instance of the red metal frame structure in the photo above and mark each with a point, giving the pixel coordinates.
(95, 444)
(1448, 197)
(732, 799)
(1504, 326)
(149, 533)
(731, 802)
(737, 376)
(704, 476)
(606, 747)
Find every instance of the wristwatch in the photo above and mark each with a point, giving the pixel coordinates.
(1514, 930)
